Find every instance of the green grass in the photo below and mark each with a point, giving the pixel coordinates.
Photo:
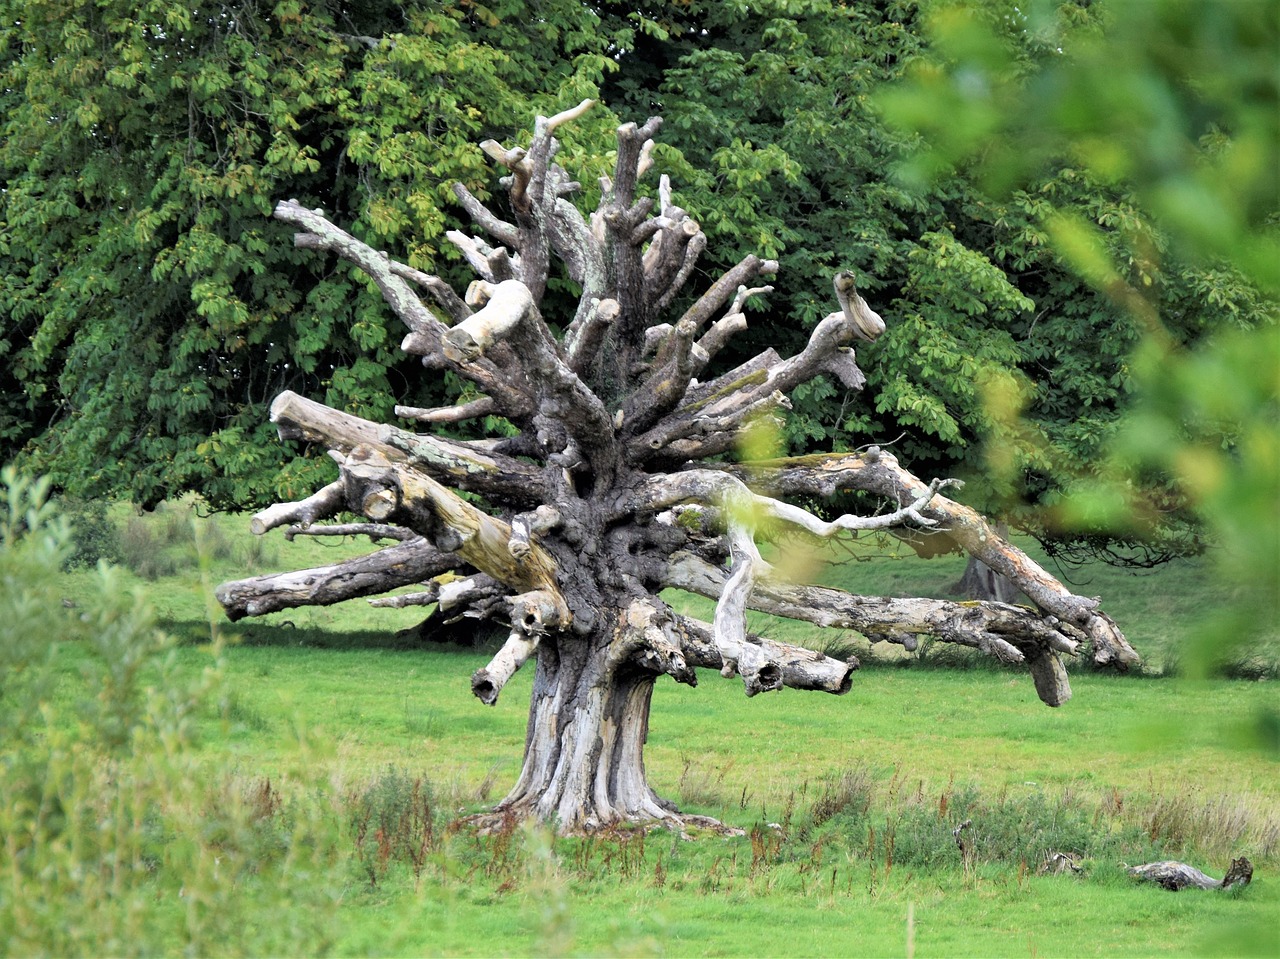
(335, 714)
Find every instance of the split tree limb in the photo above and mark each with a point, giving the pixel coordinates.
(648, 636)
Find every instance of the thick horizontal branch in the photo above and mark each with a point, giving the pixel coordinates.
(649, 637)
(800, 668)
(375, 531)
(744, 512)
(1010, 633)
(484, 406)
(449, 592)
(878, 472)
(380, 572)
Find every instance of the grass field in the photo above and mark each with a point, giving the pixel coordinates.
(309, 810)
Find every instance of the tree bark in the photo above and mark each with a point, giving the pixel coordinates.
(588, 721)
(1175, 876)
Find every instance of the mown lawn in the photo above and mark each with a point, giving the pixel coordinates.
(849, 802)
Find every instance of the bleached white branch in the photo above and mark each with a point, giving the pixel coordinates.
(484, 406)
(329, 500)
(532, 615)
(488, 681)
(549, 124)
(729, 628)
(506, 304)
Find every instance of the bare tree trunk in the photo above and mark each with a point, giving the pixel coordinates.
(584, 753)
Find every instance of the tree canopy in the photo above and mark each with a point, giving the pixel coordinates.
(151, 311)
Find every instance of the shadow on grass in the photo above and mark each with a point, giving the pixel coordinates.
(286, 634)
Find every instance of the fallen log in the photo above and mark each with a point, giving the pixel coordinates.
(1175, 876)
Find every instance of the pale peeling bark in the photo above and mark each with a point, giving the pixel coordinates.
(878, 472)
(568, 531)
(380, 572)
(1176, 876)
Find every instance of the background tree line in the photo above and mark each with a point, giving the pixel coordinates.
(1047, 201)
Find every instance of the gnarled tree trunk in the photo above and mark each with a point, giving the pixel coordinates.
(616, 485)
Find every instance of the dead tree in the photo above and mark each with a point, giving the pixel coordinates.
(620, 481)
(1176, 876)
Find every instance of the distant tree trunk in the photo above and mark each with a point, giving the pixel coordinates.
(981, 582)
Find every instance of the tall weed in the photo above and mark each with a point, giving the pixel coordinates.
(163, 543)
(393, 821)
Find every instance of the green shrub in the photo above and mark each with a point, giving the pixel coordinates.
(121, 841)
(94, 535)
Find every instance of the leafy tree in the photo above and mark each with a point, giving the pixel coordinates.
(1178, 105)
(150, 309)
